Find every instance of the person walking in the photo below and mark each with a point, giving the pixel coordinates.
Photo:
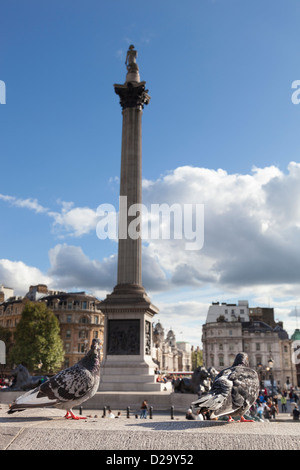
(144, 409)
(283, 404)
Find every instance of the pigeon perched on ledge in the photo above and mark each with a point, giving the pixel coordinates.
(233, 392)
(68, 388)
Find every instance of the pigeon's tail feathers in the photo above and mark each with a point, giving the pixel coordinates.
(216, 404)
(31, 399)
(209, 401)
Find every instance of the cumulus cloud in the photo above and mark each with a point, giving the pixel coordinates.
(19, 276)
(251, 224)
(74, 221)
(72, 269)
(251, 237)
(28, 203)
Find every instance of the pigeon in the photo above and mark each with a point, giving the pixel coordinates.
(233, 392)
(68, 388)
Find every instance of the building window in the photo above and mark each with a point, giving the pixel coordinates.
(96, 334)
(81, 347)
(70, 305)
(221, 361)
(257, 346)
(69, 318)
(221, 347)
(68, 333)
(258, 360)
(83, 320)
(84, 305)
(96, 319)
(82, 334)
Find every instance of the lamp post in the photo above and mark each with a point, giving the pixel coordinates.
(271, 364)
(259, 370)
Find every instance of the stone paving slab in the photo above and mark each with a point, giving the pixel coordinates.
(47, 429)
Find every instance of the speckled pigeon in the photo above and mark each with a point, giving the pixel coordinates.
(233, 392)
(68, 388)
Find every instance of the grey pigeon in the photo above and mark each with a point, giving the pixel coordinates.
(233, 392)
(68, 388)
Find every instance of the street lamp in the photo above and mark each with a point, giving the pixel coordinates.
(260, 369)
(271, 364)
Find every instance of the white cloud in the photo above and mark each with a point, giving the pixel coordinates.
(19, 276)
(250, 239)
(74, 221)
(28, 203)
(251, 245)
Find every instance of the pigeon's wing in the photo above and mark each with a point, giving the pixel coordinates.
(245, 386)
(218, 399)
(69, 384)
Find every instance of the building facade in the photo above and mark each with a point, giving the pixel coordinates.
(80, 319)
(223, 339)
(78, 313)
(168, 354)
(230, 312)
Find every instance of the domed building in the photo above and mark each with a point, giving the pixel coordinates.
(167, 353)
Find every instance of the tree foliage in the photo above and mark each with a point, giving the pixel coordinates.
(197, 358)
(37, 340)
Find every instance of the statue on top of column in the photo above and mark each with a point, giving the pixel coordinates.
(130, 61)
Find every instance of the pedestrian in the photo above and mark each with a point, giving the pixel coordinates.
(295, 413)
(283, 404)
(273, 411)
(199, 416)
(110, 414)
(189, 415)
(144, 409)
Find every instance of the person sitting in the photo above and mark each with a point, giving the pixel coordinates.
(189, 415)
(296, 413)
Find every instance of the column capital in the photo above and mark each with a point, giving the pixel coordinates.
(132, 95)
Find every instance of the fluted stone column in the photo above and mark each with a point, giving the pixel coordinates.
(127, 362)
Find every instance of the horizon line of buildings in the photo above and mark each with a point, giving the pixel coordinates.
(229, 328)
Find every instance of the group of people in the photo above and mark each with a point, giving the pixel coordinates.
(200, 415)
(266, 407)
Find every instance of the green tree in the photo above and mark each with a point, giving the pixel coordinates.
(197, 358)
(37, 340)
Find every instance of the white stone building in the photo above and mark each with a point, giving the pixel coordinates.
(230, 312)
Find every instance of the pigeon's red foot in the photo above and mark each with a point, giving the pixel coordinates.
(70, 415)
(230, 419)
(244, 420)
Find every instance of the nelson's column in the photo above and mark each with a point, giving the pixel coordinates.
(127, 363)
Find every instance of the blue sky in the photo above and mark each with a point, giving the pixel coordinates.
(220, 129)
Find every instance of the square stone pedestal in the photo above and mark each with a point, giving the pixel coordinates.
(127, 363)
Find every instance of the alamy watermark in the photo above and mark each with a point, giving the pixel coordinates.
(296, 94)
(296, 352)
(2, 92)
(161, 222)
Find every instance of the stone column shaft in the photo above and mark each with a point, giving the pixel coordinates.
(129, 253)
